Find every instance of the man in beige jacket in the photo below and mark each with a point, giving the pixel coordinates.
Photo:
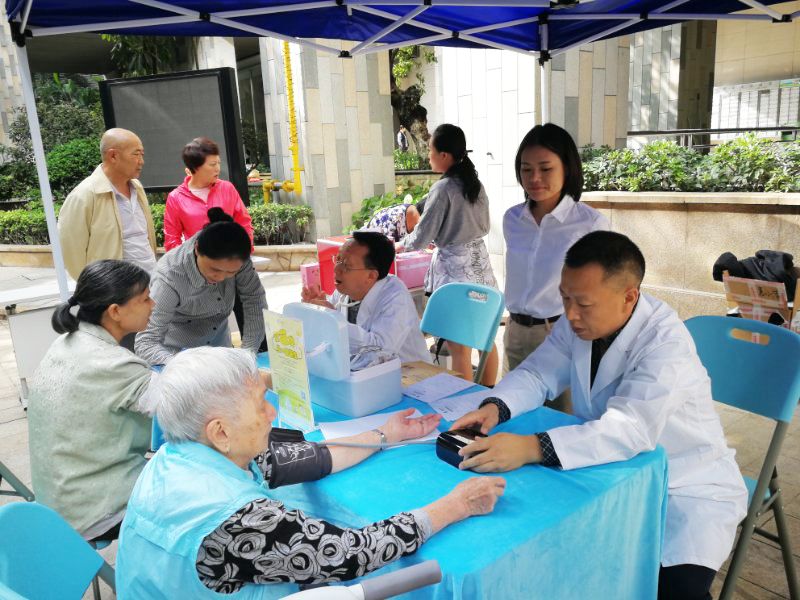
(107, 214)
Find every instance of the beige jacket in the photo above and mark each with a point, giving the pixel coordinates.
(89, 224)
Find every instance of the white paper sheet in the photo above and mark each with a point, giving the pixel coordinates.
(437, 387)
(455, 407)
(356, 426)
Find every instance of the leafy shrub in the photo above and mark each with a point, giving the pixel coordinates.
(59, 124)
(745, 164)
(410, 161)
(157, 210)
(17, 179)
(69, 164)
(369, 206)
(786, 176)
(589, 152)
(272, 223)
(23, 226)
(280, 223)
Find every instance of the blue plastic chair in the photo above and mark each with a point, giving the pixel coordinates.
(467, 314)
(17, 487)
(761, 377)
(42, 557)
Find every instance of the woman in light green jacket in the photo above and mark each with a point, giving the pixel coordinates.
(87, 414)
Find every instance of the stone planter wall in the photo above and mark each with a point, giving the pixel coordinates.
(681, 235)
(283, 258)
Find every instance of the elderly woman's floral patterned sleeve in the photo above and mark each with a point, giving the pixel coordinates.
(265, 543)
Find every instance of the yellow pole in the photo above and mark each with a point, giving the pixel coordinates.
(294, 184)
(294, 147)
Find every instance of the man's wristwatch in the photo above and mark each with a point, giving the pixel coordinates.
(383, 441)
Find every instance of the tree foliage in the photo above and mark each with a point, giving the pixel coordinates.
(140, 55)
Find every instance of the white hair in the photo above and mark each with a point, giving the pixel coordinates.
(200, 384)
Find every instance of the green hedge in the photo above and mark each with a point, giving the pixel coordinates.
(410, 161)
(67, 164)
(23, 226)
(272, 223)
(280, 223)
(746, 164)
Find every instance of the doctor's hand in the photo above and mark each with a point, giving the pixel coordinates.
(501, 452)
(314, 295)
(485, 419)
(401, 427)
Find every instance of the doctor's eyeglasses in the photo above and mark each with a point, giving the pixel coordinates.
(339, 262)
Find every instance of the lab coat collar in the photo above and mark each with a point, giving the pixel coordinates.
(370, 301)
(614, 361)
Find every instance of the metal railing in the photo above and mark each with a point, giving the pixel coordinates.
(685, 137)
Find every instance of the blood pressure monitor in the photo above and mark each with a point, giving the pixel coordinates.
(450, 442)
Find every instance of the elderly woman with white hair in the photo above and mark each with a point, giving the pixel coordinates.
(201, 523)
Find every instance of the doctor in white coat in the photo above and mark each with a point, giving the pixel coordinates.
(637, 381)
(378, 306)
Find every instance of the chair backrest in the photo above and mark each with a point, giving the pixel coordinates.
(41, 556)
(761, 376)
(465, 313)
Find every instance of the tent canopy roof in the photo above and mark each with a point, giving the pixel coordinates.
(519, 25)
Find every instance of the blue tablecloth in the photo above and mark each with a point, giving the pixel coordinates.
(589, 533)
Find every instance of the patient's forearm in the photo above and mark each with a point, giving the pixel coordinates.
(344, 457)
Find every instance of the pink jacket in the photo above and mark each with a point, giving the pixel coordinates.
(185, 213)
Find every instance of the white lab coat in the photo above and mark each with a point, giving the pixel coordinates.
(650, 389)
(387, 319)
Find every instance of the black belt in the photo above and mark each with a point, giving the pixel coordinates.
(529, 321)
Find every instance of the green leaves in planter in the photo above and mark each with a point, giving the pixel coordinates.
(23, 226)
(272, 223)
(369, 206)
(280, 223)
(745, 164)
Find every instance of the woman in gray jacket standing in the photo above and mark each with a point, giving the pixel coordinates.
(456, 219)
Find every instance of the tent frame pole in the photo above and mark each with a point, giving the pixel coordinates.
(41, 167)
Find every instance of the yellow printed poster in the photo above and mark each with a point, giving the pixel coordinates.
(287, 359)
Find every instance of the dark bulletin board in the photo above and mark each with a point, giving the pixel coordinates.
(167, 111)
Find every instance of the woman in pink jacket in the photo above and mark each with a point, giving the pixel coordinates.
(187, 205)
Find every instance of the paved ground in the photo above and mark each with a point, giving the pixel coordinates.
(763, 576)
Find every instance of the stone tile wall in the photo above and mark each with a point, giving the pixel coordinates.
(493, 96)
(682, 235)
(749, 51)
(10, 82)
(655, 70)
(215, 52)
(345, 128)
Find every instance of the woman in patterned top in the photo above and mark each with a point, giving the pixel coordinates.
(456, 219)
(395, 222)
(201, 522)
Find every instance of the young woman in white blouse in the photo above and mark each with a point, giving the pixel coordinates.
(538, 233)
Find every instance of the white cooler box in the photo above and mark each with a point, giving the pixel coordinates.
(333, 385)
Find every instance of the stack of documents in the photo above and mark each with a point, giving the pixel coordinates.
(443, 393)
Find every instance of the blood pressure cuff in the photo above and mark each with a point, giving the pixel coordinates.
(294, 460)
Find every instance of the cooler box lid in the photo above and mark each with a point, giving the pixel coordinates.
(325, 340)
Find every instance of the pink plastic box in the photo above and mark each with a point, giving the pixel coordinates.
(309, 274)
(412, 266)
